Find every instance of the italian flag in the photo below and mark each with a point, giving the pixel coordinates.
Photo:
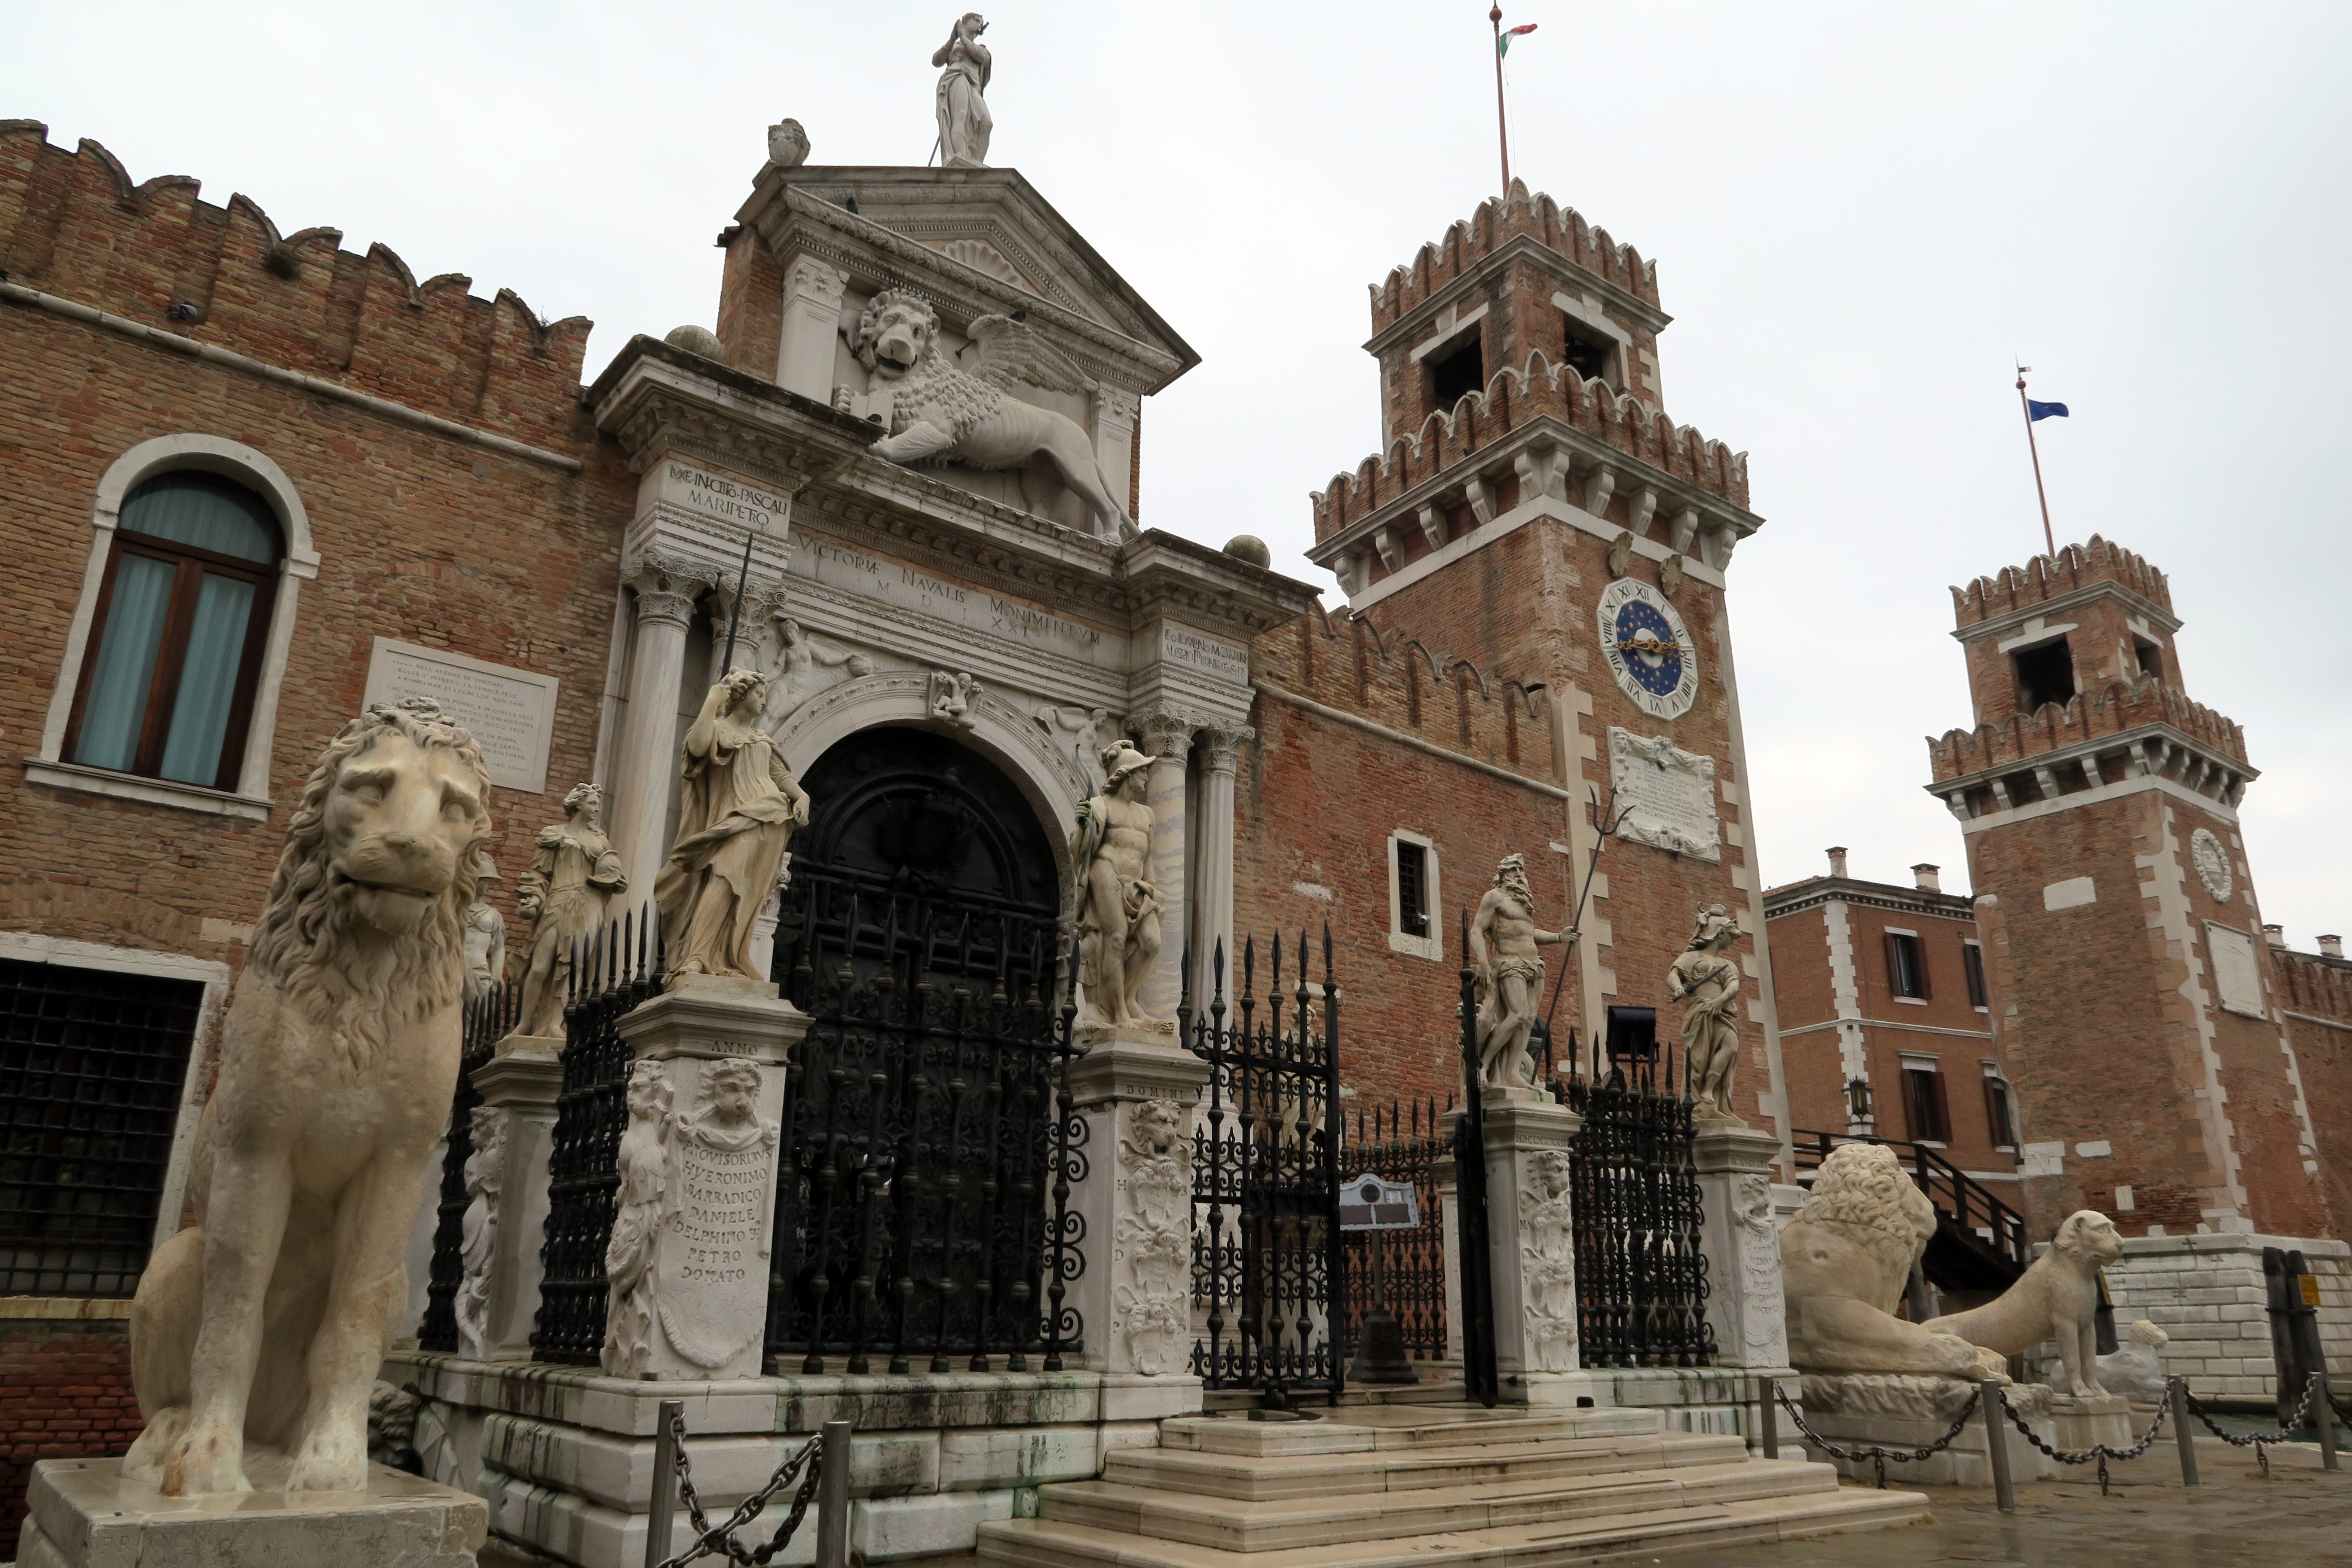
(1503, 44)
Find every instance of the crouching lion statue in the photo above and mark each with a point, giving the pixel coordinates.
(2057, 1297)
(940, 413)
(1844, 1260)
(266, 1319)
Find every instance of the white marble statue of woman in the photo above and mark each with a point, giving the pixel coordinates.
(964, 119)
(737, 811)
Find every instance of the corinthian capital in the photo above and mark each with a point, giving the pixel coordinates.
(1165, 734)
(1221, 745)
(809, 278)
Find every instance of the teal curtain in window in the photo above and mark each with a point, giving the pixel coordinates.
(189, 507)
(192, 751)
(126, 662)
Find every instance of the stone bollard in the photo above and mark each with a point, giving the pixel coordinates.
(1136, 1089)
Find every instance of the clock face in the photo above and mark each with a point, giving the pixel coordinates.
(2212, 863)
(1648, 648)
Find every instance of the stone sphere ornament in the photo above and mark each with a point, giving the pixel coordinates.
(1249, 547)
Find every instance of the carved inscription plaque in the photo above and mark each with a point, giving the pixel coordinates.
(1211, 657)
(711, 1272)
(1665, 795)
(511, 712)
(2237, 977)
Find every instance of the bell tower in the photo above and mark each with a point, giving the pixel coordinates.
(1537, 539)
(2134, 1000)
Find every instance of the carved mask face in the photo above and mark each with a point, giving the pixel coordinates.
(400, 821)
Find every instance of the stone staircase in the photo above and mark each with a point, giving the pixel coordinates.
(1392, 1484)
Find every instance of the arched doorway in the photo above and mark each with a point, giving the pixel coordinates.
(923, 859)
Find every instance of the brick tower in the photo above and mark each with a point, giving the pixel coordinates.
(1536, 539)
(2134, 995)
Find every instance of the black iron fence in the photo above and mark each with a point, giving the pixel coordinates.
(1269, 1283)
(930, 1145)
(612, 973)
(1403, 1271)
(489, 1019)
(1641, 1275)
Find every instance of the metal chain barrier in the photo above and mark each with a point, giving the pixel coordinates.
(711, 1541)
(1876, 1455)
(2261, 1441)
(2099, 1451)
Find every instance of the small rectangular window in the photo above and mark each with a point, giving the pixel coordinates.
(2044, 675)
(1907, 967)
(1412, 889)
(2151, 659)
(2001, 1117)
(1462, 372)
(1973, 962)
(1588, 352)
(1923, 1104)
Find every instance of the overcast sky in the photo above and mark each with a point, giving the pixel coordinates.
(1860, 213)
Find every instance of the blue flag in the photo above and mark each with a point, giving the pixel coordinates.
(2034, 411)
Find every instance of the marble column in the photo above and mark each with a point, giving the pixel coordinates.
(642, 765)
(1136, 1091)
(519, 1086)
(1169, 740)
(811, 328)
(1213, 916)
(1742, 1245)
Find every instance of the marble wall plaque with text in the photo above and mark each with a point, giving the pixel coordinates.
(1665, 795)
(2237, 976)
(511, 712)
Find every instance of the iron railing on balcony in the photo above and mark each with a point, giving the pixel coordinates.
(1959, 1197)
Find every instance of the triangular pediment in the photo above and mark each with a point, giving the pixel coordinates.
(977, 242)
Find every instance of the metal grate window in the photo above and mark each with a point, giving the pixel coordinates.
(91, 1065)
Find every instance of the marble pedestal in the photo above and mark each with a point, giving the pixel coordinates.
(2081, 1421)
(1530, 1248)
(518, 1084)
(83, 1513)
(1890, 1411)
(1742, 1244)
(1135, 1090)
(691, 1228)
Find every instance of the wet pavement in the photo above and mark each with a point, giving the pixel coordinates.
(2300, 1515)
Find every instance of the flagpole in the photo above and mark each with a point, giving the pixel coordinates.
(2048, 538)
(1501, 123)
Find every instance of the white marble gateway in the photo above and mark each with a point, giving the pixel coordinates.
(1665, 795)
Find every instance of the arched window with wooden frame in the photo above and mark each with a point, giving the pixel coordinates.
(182, 624)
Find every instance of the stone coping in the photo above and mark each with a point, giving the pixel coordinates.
(2232, 1241)
(584, 1396)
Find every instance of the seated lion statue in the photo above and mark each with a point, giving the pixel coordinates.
(2056, 1299)
(265, 1320)
(1844, 1260)
(940, 413)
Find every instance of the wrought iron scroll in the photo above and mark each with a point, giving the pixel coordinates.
(922, 1211)
(612, 973)
(1479, 1378)
(1641, 1275)
(1269, 1275)
(488, 1018)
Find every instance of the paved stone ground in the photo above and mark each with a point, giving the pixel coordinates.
(2301, 1515)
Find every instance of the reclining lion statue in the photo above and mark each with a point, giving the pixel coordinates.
(267, 1318)
(940, 413)
(1844, 1260)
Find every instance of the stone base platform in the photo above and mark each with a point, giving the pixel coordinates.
(1388, 1484)
(83, 1513)
(1896, 1411)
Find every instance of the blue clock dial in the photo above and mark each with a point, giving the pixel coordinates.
(1652, 653)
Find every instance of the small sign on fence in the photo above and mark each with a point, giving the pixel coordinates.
(1368, 1203)
(2310, 1282)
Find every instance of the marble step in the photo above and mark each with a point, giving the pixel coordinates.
(1398, 1426)
(1054, 1544)
(1255, 1528)
(1252, 1478)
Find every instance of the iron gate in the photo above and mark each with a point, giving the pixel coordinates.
(1472, 1261)
(1268, 1268)
(488, 1018)
(1640, 1277)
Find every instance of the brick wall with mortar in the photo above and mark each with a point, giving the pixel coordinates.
(64, 1392)
(2314, 994)
(421, 537)
(2097, 924)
